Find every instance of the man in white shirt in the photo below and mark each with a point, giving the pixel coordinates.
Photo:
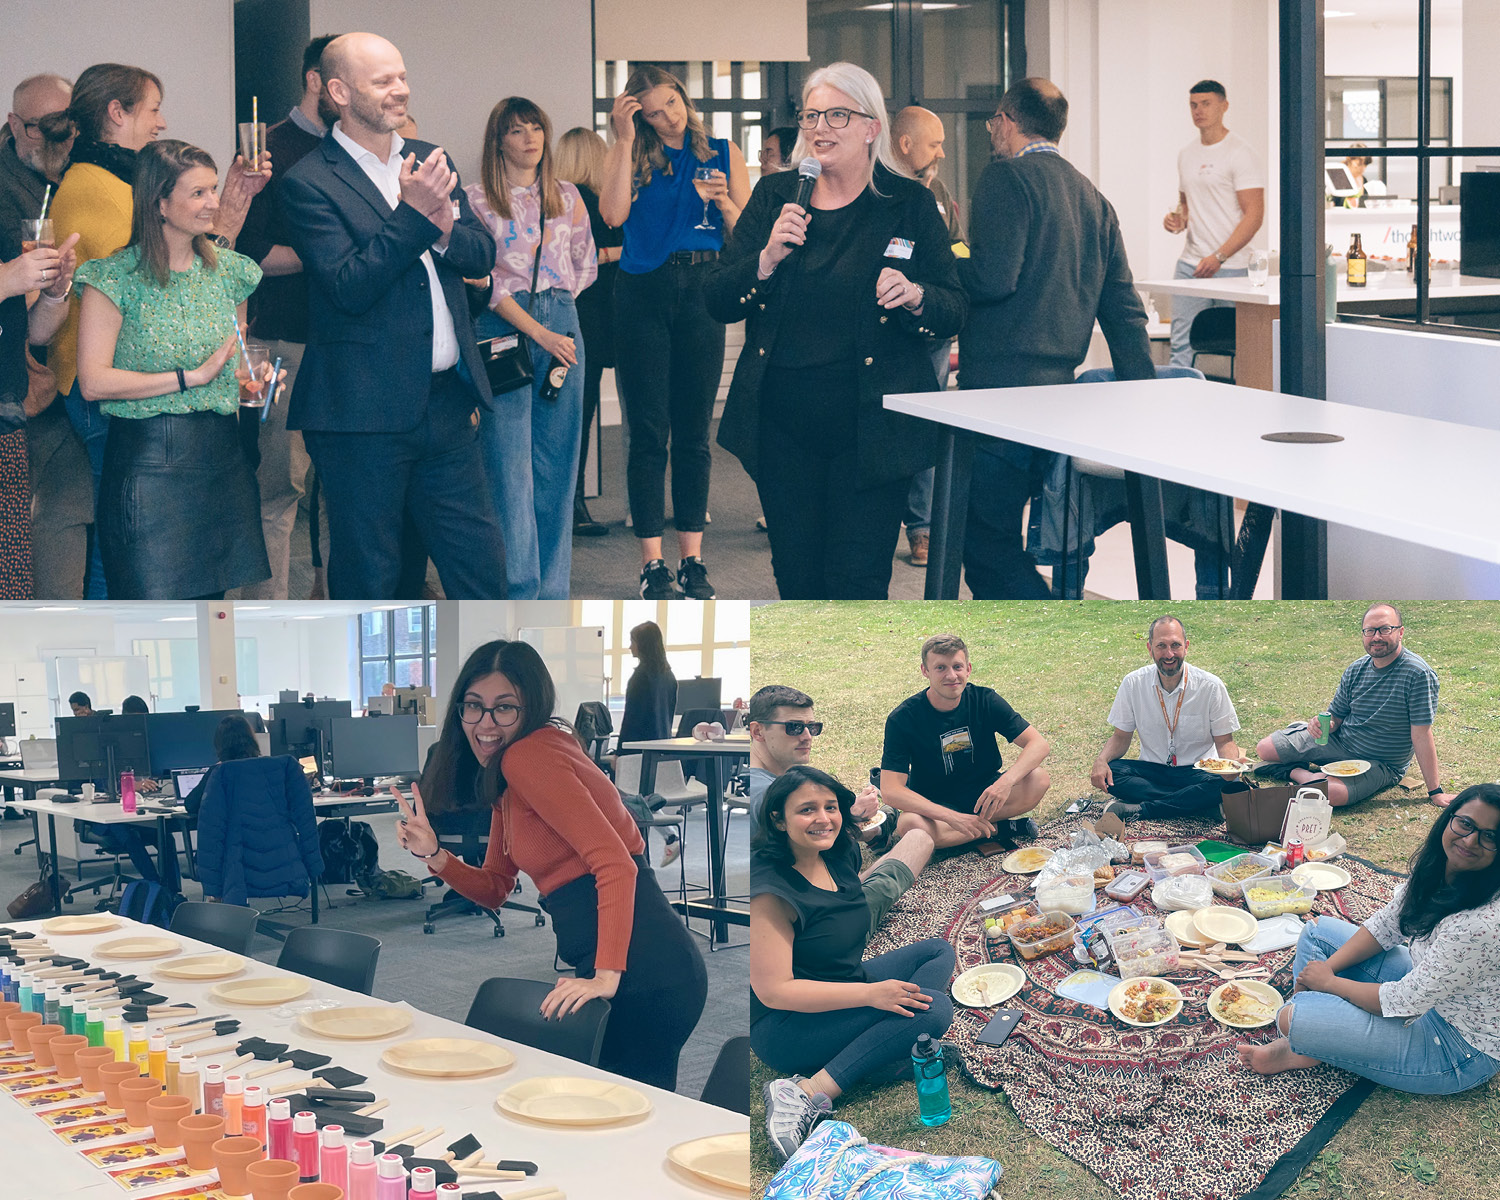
(1221, 203)
(1183, 715)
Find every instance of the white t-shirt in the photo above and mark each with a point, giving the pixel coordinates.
(1209, 176)
(1206, 712)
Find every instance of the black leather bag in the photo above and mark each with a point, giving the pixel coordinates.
(507, 356)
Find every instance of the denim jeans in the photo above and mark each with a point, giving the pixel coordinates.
(1185, 308)
(1425, 1054)
(92, 427)
(531, 450)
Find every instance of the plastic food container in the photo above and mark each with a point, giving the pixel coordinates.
(1175, 867)
(1127, 885)
(1144, 952)
(1004, 918)
(1042, 935)
(1139, 850)
(1227, 876)
(1067, 893)
(1276, 894)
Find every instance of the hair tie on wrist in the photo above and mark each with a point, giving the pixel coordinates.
(181, 380)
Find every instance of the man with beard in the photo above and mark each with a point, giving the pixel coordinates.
(27, 164)
(1381, 712)
(391, 379)
(1182, 714)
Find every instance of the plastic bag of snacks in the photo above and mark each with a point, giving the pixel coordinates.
(1183, 892)
(1077, 860)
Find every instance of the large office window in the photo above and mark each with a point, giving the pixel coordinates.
(399, 646)
(173, 666)
(702, 639)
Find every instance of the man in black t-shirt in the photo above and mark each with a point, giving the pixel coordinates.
(941, 764)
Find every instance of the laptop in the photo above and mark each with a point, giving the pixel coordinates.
(186, 779)
(39, 754)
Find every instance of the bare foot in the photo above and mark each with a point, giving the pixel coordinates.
(1274, 1058)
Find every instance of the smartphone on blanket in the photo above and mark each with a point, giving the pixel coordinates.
(1000, 1027)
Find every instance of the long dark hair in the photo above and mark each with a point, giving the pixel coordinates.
(648, 154)
(1429, 895)
(158, 167)
(452, 779)
(88, 109)
(772, 842)
(517, 110)
(646, 643)
(234, 739)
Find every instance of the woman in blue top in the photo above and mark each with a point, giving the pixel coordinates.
(670, 352)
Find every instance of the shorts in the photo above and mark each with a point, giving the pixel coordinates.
(1291, 749)
(883, 886)
(971, 805)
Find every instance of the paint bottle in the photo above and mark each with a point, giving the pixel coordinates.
(449, 1191)
(114, 1035)
(136, 1048)
(174, 1065)
(65, 1012)
(334, 1163)
(279, 1129)
(80, 1014)
(156, 1056)
(423, 1184)
(94, 1024)
(305, 1145)
(189, 1078)
(362, 1171)
(234, 1104)
(23, 992)
(390, 1179)
(52, 1004)
(213, 1089)
(253, 1113)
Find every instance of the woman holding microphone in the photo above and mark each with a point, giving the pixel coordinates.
(843, 302)
(558, 818)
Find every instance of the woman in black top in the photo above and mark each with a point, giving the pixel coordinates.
(815, 1008)
(650, 704)
(843, 305)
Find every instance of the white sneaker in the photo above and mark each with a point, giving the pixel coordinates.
(790, 1115)
(671, 852)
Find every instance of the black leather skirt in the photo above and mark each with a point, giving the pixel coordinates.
(179, 510)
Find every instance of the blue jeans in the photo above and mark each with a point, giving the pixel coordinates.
(1165, 792)
(92, 427)
(530, 448)
(1425, 1055)
(1185, 308)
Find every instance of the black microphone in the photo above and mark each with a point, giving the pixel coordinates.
(808, 171)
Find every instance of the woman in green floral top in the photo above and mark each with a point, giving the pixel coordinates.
(178, 513)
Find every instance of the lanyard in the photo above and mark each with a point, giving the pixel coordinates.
(1039, 148)
(1173, 719)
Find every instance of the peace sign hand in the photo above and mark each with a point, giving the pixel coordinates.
(413, 832)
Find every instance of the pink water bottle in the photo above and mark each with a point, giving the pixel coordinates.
(127, 791)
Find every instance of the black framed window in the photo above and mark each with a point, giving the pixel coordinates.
(399, 646)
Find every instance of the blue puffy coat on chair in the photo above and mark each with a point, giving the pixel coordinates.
(257, 836)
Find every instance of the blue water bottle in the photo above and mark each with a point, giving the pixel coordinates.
(933, 1105)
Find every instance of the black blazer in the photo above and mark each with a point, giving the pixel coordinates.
(893, 348)
(368, 363)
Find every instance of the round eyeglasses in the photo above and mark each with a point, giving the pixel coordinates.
(471, 712)
(1489, 839)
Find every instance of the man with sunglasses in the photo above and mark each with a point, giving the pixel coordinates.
(941, 763)
(1381, 713)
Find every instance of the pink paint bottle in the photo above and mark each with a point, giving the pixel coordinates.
(279, 1130)
(213, 1089)
(363, 1173)
(334, 1163)
(423, 1184)
(305, 1145)
(253, 1114)
(390, 1181)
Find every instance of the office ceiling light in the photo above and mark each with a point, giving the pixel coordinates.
(251, 607)
(307, 618)
(925, 7)
(179, 619)
(58, 608)
(1330, 14)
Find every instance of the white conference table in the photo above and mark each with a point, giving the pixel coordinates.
(625, 1162)
(1412, 478)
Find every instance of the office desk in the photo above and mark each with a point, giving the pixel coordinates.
(1209, 435)
(624, 1162)
(723, 756)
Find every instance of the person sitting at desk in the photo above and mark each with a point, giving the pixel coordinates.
(133, 840)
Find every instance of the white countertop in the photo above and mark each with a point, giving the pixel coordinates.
(689, 746)
(1241, 291)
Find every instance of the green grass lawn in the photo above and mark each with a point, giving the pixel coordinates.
(1059, 665)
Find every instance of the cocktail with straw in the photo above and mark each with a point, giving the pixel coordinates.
(253, 371)
(252, 138)
(37, 231)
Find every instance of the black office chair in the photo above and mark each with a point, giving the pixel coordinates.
(728, 1083)
(511, 1008)
(1212, 332)
(335, 956)
(595, 727)
(465, 835)
(229, 926)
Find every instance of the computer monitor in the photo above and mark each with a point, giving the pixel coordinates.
(1339, 181)
(303, 729)
(7, 720)
(698, 693)
(385, 705)
(39, 754)
(364, 747)
(184, 739)
(97, 748)
(185, 781)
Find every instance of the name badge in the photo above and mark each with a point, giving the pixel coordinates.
(899, 248)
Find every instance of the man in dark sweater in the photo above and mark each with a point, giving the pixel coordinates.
(1046, 261)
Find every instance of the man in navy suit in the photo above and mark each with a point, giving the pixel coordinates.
(388, 389)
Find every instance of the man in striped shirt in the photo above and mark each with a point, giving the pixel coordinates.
(1381, 712)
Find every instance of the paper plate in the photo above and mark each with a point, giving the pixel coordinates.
(1261, 991)
(874, 822)
(1233, 768)
(1345, 768)
(364, 1023)
(268, 990)
(1321, 877)
(83, 923)
(203, 966)
(1117, 994)
(138, 947)
(569, 1100)
(1180, 925)
(447, 1058)
(1220, 923)
(1026, 861)
(723, 1159)
(1002, 980)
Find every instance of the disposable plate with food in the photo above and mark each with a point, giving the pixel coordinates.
(874, 822)
(987, 985)
(1345, 768)
(1145, 1001)
(1244, 1003)
(1224, 766)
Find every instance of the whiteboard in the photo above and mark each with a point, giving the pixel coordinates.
(107, 679)
(575, 659)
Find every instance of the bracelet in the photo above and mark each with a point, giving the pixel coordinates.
(181, 380)
(1437, 791)
(425, 857)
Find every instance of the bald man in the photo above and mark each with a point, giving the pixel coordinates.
(26, 167)
(391, 382)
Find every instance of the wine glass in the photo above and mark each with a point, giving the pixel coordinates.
(1260, 267)
(703, 179)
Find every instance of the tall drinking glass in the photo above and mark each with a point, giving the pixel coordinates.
(1260, 267)
(36, 231)
(703, 179)
(252, 142)
(254, 374)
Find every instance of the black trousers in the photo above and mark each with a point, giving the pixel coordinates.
(433, 474)
(663, 989)
(669, 358)
(996, 565)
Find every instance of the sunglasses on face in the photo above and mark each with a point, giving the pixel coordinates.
(1489, 839)
(795, 728)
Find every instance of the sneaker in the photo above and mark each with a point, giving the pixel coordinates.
(917, 541)
(656, 581)
(1126, 812)
(1023, 829)
(692, 578)
(790, 1115)
(671, 852)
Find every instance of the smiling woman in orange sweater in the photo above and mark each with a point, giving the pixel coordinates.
(559, 818)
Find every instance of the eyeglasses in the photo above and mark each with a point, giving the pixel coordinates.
(837, 118)
(1379, 630)
(471, 712)
(31, 128)
(993, 122)
(795, 728)
(1489, 839)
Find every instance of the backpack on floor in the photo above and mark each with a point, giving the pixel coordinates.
(148, 902)
(349, 850)
(390, 885)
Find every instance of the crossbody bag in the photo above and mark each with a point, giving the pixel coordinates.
(507, 356)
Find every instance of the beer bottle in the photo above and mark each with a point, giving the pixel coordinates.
(1357, 263)
(1411, 252)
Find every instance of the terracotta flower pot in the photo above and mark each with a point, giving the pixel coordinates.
(16, 1024)
(65, 1048)
(232, 1157)
(164, 1112)
(134, 1094)
(40, 1036)
(199, 1133)
(274, 1179)
(314, 1191)
(89, 1060)
(111, 1075)
(8, 1008)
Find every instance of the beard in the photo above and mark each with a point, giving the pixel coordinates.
(372, 114)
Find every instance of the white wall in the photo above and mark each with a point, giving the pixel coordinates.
(1478, 99)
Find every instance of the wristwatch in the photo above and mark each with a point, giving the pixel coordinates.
(1437, 791)
(222, 242)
